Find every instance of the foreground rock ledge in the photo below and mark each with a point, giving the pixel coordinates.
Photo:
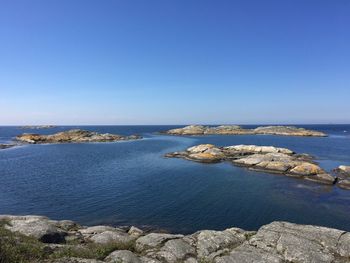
(73, 136)
(260, 158)
(276, 242)
(238, 130)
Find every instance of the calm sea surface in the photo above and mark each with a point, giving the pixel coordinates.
(130, 183)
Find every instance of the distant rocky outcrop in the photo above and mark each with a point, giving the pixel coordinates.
(66, 241)
(73, 136)
(37, 127)
(261, 158)
(238, 130)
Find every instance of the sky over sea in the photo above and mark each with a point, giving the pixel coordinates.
(174, 62)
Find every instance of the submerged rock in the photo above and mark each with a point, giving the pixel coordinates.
(261, 158)
(238, 130)
(74, 136)
(277, 242)
(6, 146)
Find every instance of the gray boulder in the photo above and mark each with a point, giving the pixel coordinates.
(212, 243)
(39, 227)
(122, 256)
(112, 236)
(153, 240)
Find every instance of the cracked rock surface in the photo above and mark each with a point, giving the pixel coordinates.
(279, 242)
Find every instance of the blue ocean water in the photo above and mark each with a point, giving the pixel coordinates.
(131, 183)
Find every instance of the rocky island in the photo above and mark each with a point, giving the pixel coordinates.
(73, 136)
(37, 127)
(238, 130)
(260, 158)
(39, 239)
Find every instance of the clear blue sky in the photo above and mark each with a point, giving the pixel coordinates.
(174, 62)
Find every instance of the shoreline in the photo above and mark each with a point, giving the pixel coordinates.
(66, 241)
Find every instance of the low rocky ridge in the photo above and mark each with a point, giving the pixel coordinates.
(73, 136)
(260, 158)
(37, 127)
(66, 241)
(238, 130)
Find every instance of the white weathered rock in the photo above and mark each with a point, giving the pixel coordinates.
(135, 232)
(95, 230)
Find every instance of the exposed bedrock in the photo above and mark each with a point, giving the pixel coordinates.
(261, 158)
(238, 130)
(276, 242)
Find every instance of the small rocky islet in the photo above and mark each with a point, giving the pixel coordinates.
(65, 241)
(238, 130)
(37, 127)
(73, 136)
(267, 159)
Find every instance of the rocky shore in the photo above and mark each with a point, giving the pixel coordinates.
(238, 130)
(73, 136)
(261, 158)
(39, 239)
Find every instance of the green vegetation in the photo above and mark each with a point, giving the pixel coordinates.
(91, 250)
(17, 248)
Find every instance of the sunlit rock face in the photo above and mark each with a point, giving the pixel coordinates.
(73, 136)
(261, 158)
(238, 130)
